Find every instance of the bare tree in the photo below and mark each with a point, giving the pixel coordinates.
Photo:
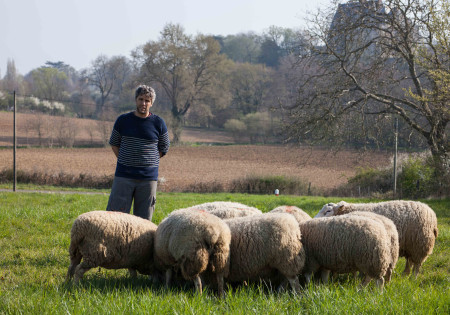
(12, 81)
(106, 74)
(39, 124)
(66, 131)
(104, 127)
(185, 67)
(366, 62)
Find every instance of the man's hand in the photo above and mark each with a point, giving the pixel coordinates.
(115, 150)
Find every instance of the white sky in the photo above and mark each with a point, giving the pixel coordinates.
(77, 31)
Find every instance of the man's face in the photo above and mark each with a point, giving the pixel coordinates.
(143, 104)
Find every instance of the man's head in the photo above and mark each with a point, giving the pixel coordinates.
(145, 90)
(144, 97)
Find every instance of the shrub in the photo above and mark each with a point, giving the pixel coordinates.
(6, 101)
(423, 177)
(419, 176)
(56, 179)
(366, 182)
(236, 127)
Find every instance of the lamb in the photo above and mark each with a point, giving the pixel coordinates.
(262, 247)
(228, 209)
(416, 223)
(194, 241)
(298, 213)
(112, 240)
(346, 245)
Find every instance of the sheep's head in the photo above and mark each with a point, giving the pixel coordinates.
(326, 211)
(332, 209)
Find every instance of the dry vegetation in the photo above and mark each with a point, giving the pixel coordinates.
(87, 132)
(185, 166)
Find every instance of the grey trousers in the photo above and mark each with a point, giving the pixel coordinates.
(126, 190)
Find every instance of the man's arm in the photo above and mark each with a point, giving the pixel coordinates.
(115, 150)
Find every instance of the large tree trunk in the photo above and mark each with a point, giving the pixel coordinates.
(177, 127)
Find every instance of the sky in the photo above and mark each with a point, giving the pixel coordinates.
(78, 31)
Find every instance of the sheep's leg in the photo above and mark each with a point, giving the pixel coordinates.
(295, 285)
(308, 276)
(325, 274)
(81, 269)
(408, 266)
(283, 285)
(416, 269)
(365, 282)
(168, 277)
(198, 284)
(71, 271)
(388, 274)
(334, 276)
(74, 262)
(219, 277)
(380, 283)
(132, 272)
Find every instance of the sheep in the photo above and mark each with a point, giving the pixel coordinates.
(194, 241)
(112, 240)
(392, 233)
(228, 209)
(264, 246)
(298, 213)
(416, 224)
(346, 245)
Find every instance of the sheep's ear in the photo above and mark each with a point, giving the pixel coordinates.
(339, 209)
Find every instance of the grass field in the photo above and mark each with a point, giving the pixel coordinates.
(34, 240)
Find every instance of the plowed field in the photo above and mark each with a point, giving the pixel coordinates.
(187, 165)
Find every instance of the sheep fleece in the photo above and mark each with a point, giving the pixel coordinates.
(228, 209)
(416, 223)
(346, 244)
(193, 240)
(261, 246)
(113, 240)
(298, 213)
(391, 231)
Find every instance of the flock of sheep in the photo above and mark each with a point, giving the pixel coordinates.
(228, 242)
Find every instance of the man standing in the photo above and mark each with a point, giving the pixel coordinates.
(139, 139)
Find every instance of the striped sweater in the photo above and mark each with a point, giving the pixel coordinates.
(140, 140)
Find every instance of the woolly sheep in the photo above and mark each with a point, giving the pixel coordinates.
(194, 241)
(112, 240)
(346, 245)
(392, 233)
(298, 213)
(262, 247)
(415, 221)
(228, 209)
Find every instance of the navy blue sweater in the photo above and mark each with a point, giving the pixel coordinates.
(140, 140)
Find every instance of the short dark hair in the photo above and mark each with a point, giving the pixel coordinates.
(145, 90)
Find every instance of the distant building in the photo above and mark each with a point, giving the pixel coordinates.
(355, 24)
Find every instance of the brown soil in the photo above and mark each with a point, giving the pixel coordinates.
(185, 166)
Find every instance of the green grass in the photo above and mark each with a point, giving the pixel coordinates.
(34, 238)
